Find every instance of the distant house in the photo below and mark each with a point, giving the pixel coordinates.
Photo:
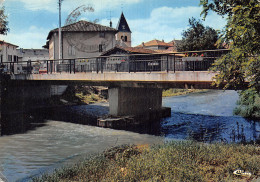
(81, 39)
(176, 45)
(8, 52)
(32, 54)
(156, 45)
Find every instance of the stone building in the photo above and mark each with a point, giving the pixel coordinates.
(81, 39)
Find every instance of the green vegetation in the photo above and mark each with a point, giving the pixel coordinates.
(197, 37)
(175, 161)
(89, 94)
(3, 22)
(249, 104)
(174, 92)
(242, 33)
(242, 63)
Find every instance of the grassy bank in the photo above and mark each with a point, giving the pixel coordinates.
(175, 92)
(177, 161)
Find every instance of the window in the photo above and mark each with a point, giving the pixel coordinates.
(102, 34)
(125, 38)
(71, 50)
(15, 58)
(10, 58)
(100, 48)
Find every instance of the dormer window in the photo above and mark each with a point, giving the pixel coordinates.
(123, 27)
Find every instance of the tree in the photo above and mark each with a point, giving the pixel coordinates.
(242, 33)
(242, 63)
(3, 22)
(198, 37)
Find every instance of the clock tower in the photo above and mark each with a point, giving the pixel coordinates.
(124, 32)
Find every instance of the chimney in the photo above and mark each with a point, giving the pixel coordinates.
(110, 23)
(162, 40)
(143, 44)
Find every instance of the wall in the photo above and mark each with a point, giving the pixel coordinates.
(81, 44)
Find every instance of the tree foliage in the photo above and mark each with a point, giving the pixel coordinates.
(248, 104)
(3, 22)
(198, 37)
(242, 33)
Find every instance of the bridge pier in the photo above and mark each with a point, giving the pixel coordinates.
(129, 107)
(134, 101)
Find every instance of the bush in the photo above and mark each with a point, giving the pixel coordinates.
(248, 104)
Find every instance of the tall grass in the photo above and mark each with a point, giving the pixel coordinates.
(175, 161)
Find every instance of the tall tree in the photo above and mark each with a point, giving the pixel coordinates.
(242, 33)
(3, 22)
(198, 37)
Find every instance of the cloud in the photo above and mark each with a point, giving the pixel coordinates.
(34, 37)
(68, 6)
(168, 23)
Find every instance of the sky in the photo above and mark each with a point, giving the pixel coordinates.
(31, 20)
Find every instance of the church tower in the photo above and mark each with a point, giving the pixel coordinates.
(124, 32)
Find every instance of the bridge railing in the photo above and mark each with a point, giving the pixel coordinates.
(170, 62)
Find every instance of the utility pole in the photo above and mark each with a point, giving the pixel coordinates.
(60, 51)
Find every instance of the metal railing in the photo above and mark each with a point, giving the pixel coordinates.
(180, 61)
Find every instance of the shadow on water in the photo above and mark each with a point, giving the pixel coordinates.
(21, 122)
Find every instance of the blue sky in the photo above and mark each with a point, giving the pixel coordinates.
(31, 20)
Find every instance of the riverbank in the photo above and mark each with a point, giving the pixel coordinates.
(175, 92)
(175, 161)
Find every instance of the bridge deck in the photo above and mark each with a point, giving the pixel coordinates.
(181, 79)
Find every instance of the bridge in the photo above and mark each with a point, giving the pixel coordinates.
(135, 81)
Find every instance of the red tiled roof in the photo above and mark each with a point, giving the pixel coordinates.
(155, 43)
(129, 50)
(139, 50)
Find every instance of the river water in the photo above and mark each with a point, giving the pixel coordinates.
(52, 141)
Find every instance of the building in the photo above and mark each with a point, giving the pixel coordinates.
(81, 39)
(156, 45)
(8, 52)
(124, 33)
(32, 54)
(135, 59)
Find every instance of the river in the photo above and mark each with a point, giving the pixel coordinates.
(64, 138)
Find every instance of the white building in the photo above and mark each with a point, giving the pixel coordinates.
(32, 54)
(8, 52)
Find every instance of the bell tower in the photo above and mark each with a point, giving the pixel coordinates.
(124, 32)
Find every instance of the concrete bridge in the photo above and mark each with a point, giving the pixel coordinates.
(135, 82)
(129, 93)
